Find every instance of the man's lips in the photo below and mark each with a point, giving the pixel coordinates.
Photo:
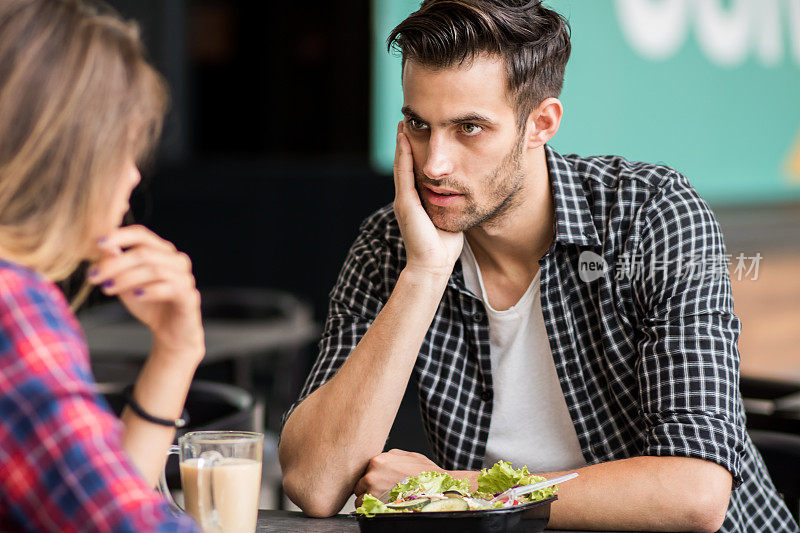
(441, 190)
(441, 197)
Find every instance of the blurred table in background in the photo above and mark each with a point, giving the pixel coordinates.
(769, 309)
(768, 306)
(239, 324)
(247, 330)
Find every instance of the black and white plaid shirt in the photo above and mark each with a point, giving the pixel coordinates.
(645, 347)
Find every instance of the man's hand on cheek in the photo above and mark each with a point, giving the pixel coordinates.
(389, 468)
(429, 249)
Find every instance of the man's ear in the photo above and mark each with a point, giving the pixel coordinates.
(543, 122)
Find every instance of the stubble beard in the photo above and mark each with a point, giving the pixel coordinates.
(506, 180)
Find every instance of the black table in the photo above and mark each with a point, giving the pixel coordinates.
(297, 522)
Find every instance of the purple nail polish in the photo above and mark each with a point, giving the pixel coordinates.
(138, 292)
(93, 272)
(102, 240)
(107, 283)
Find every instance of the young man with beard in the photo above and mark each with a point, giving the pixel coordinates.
(471, 285)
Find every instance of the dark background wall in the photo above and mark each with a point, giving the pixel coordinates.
(250, 223)
(262, 175)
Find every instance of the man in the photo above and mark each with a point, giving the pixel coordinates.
(475, 284)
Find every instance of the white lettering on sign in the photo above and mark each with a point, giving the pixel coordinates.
(794, 23)
(769, 34)
(655, 29)
(726, 34)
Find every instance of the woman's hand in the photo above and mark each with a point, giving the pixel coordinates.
(155, 282)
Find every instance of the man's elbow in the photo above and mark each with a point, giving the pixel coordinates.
(314, 491)
(311, 499)
(709, 517)
(314, 502)
(708, 510)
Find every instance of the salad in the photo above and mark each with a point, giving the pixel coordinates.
(438, 491)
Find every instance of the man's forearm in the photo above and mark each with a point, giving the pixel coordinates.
(330, 437)
(640, 494)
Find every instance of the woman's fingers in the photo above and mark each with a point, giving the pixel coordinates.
(134, 235)
(155, 283)
(163, 291)
(136, 279)
(112, 266)
(150, 269)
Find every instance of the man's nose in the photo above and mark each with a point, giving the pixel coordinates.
(439, 163)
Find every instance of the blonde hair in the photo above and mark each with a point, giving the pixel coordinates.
(76, 98)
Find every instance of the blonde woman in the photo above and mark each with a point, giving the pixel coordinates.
(79, 107)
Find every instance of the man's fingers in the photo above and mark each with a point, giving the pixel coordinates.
(398, 451)
(396, 163)
(361, 488)
(404, 169)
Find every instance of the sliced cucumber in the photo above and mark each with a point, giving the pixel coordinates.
(449, 504)
(453, 494)
(409, 504)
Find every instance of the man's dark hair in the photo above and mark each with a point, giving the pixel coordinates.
(532, 40)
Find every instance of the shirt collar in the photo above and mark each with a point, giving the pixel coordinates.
(574, 222)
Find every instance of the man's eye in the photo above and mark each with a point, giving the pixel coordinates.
(471, 129)
(416, 124)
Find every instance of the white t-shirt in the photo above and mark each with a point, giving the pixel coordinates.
(531, 424)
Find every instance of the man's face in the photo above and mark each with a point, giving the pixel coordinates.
(467, 148)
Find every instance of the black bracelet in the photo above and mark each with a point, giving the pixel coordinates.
(179, 423)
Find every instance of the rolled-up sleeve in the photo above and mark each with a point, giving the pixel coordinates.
(687, 337)
(355, 302)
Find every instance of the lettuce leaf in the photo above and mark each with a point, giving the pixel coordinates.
(429, 483)
(372, 505)
(502, 476)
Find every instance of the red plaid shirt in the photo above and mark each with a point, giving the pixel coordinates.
(62, 465)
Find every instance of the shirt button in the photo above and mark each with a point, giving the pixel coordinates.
(486, 395)
(477, 317)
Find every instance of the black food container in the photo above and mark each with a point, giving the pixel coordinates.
(526, 518)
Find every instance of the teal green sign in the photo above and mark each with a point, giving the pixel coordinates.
(709, 87)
